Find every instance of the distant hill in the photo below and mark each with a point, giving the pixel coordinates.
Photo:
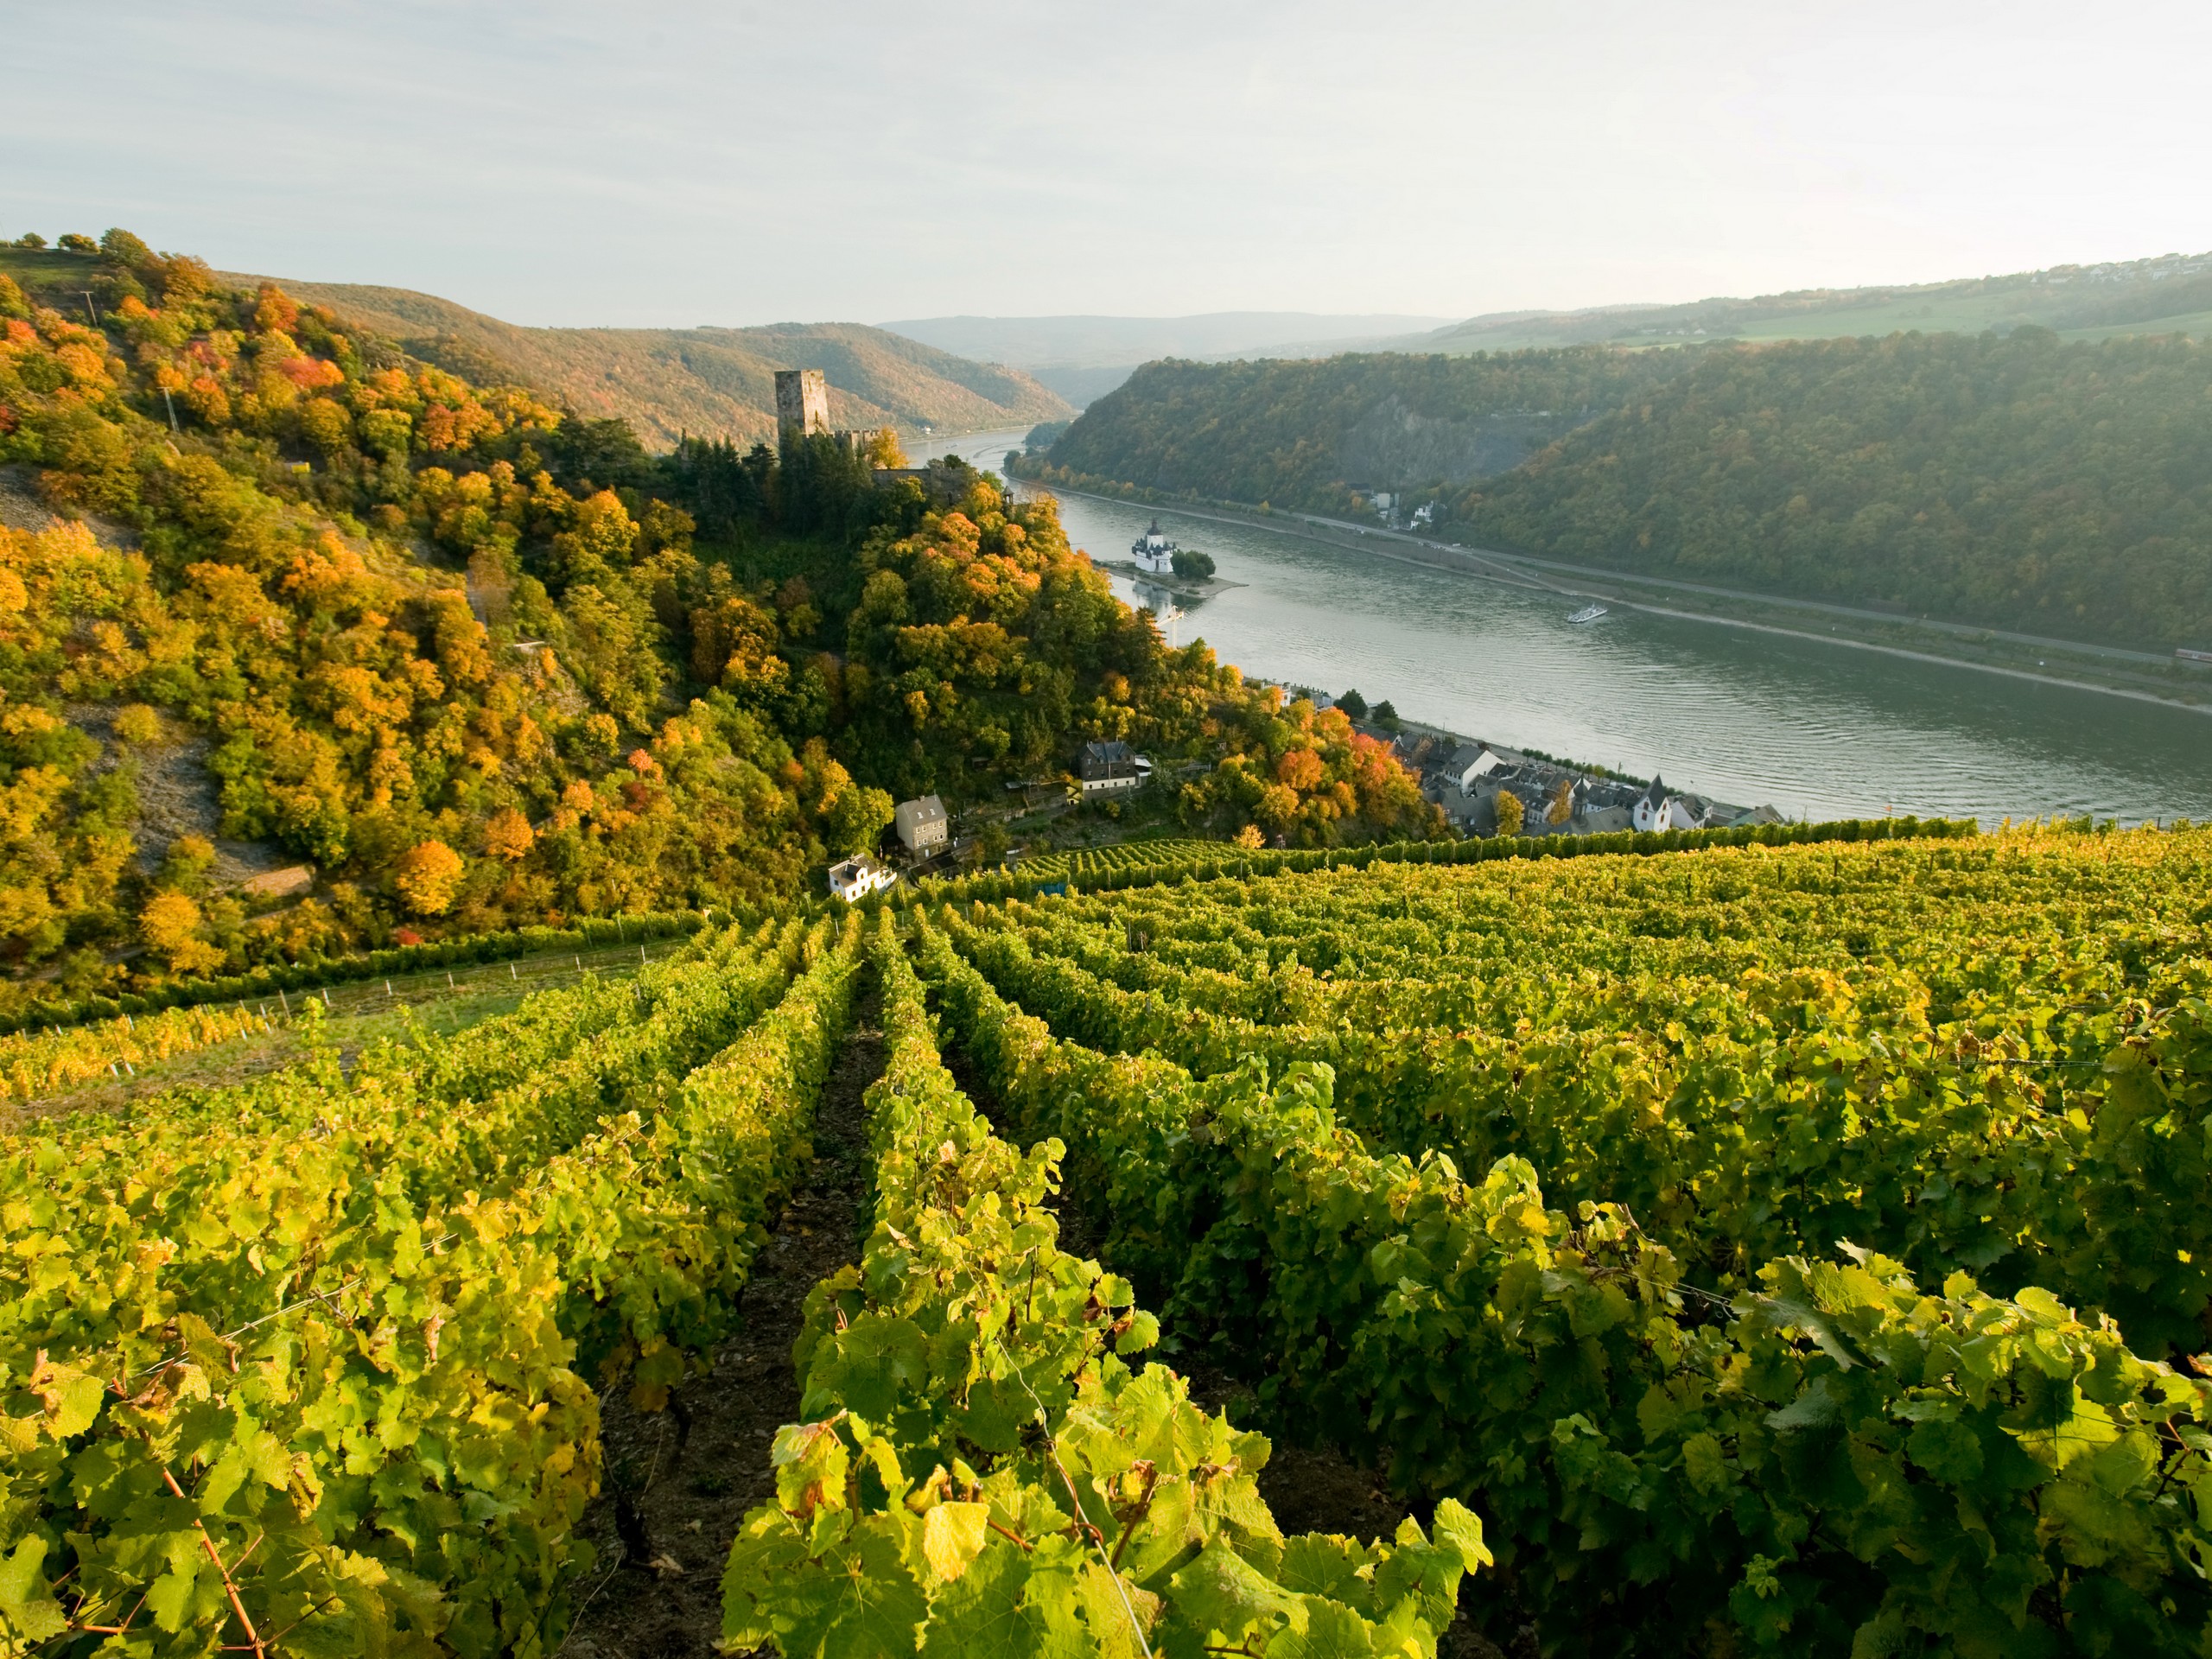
(2168, 294)
(1083, 358)
(1315, 433)
(718, 382)
(2019, 481)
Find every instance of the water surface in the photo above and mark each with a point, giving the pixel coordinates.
(1817, 730)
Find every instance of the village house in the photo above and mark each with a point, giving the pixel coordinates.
(1108, 766)
(855, 877)
(1470, 761)
(1412, 750)
(922, 824)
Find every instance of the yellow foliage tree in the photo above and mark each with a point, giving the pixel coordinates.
(136, 724)
(1509, 813)
(170, 927)
(1278, 805)
(428, 876)
(507, 836)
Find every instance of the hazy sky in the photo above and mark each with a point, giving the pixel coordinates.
(737, 162)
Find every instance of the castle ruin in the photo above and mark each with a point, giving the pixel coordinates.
(802, 403)
(803, 412)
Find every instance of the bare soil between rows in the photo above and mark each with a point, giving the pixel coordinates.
(680, 1482)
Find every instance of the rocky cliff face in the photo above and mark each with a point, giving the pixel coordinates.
(1393, 445)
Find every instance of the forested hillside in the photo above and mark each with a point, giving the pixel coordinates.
(1310, 433)
(718, 382)
(2058, 488)
(477, 663)
(2019, 481)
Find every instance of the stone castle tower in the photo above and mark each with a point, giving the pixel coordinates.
(802, 403)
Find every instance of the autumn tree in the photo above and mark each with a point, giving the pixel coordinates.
(428, 876)
(170, 925)
(507, 836)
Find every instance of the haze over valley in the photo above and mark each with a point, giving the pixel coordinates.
(1433, 879)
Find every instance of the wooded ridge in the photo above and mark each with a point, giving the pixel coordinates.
(2015, 481)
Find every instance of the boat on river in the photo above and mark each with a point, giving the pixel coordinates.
(1588, 613)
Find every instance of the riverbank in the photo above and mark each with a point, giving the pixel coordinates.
(1190, 587)
(2074, 666)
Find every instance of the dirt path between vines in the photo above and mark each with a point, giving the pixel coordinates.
(679, 1482)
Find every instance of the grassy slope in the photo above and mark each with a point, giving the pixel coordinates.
(715, 381)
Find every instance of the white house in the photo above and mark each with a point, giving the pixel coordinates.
(1470, 761)
(922, 824)
(1660, 808)
(1104, 767)
(859, 876)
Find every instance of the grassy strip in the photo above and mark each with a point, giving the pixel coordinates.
(588, 933)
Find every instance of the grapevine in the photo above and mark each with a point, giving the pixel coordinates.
(982, 1472)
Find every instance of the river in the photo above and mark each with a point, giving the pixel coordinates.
(1819, 731)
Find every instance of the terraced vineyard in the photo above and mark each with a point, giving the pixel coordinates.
(1125, 855)
(33, 1064)
(1792, 1248)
